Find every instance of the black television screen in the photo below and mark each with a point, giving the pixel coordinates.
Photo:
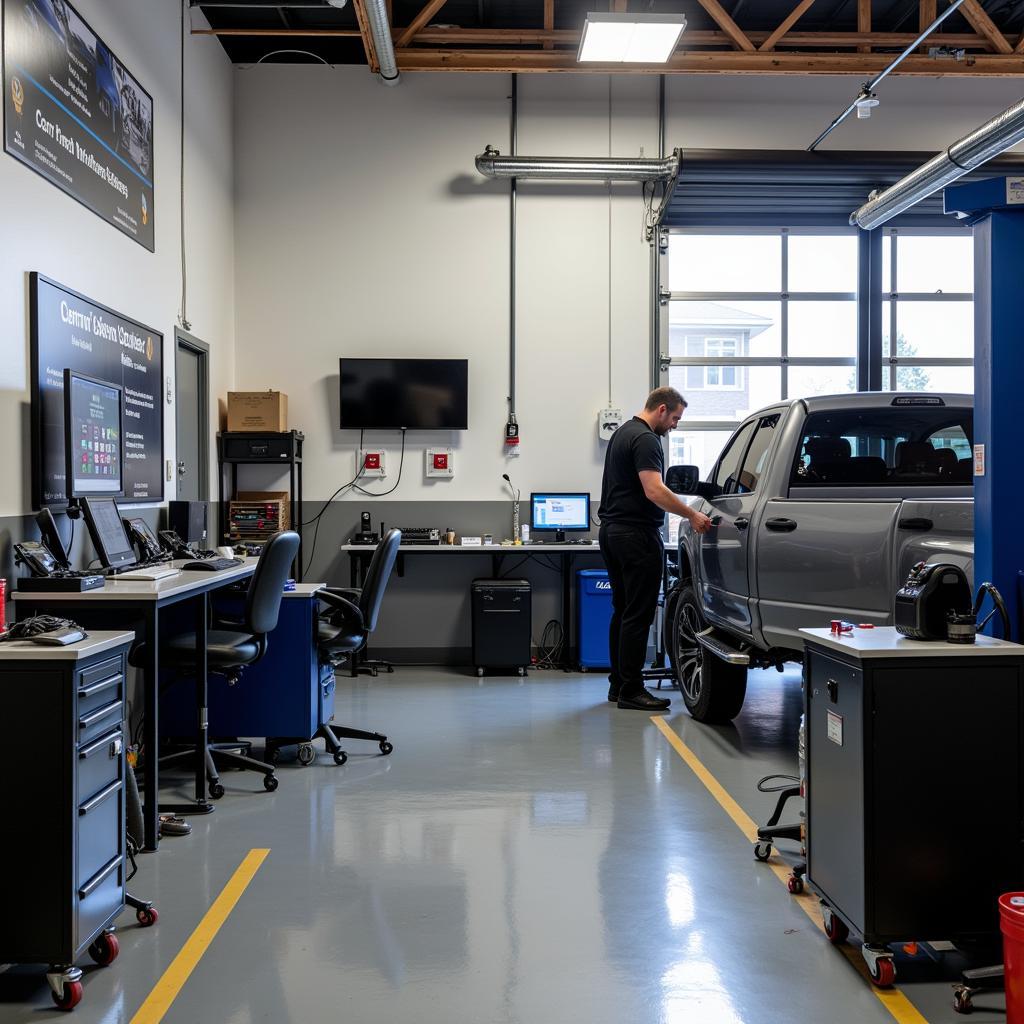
(415, 394)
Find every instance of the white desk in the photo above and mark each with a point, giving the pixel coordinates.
(96, 642)
(136, 604)
(886, 642)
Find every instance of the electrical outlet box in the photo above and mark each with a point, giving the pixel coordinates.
(440, 463)
(608, 421)
(372, 461)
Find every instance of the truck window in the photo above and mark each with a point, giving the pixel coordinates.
(897, 447)
(726, 474)
(756, 458)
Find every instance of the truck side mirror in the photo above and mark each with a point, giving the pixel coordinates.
(683, 479)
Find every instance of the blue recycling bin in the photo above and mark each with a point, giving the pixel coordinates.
(594, 614)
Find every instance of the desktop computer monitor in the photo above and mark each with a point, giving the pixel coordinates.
(108, 533)
(92, 436)
(559, 513)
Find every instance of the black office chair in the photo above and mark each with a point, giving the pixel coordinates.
(347, 620)
(229, 650)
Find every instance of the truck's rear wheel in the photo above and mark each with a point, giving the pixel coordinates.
(712, 689)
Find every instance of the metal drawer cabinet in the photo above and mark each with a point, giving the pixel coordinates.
(62, 737)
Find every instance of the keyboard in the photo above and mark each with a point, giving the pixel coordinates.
(211, 565)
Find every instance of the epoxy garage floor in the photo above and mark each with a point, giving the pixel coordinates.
(528, 854)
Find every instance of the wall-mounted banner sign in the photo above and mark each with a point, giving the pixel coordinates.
(69, 330)
(74, 114)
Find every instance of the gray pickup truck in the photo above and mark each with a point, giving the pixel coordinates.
(820, 507)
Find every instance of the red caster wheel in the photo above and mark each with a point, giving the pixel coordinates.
(72, 996)
(883, 974)
(105, 949)
(795, 884)
(147, 916)
(836, 932)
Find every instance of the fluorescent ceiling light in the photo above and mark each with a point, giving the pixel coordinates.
(611, 37)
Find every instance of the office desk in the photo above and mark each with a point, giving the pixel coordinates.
(283, 695)
(136, 604)
(61, 732)
(360, 555)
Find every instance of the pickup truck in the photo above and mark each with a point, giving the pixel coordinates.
(820, 507)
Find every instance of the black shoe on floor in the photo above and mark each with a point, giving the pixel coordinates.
(613, 695)
(643, 701)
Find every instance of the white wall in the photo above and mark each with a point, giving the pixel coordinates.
(363, 229)
(43, 229)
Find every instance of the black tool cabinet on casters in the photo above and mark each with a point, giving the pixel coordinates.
(62, 713)
(906, 743)
(501, 615)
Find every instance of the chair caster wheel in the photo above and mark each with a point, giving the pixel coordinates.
(71, 998)
(385, 747)
(962, 1000)
(216, 790)
(273, 755)
(147, 917)
(307, 754)
(105, 949)
(762, 851)
(340, 757)
(270, 783)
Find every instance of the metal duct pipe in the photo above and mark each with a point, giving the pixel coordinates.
(380, 29)
(493, 165)
(977, 147)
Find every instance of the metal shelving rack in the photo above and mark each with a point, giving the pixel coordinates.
(263, 449)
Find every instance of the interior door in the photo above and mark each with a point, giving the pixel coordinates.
(192, 419)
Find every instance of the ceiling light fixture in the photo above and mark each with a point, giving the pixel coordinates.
(613, 37)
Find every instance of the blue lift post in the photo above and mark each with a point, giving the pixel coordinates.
(995, 207)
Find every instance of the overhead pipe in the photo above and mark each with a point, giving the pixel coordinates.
(867, 90)
(380, 29)
(974, 149)
(492, 164)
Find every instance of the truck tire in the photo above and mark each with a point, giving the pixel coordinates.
(712, 689)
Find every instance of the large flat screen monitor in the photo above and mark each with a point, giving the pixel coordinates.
(92, 436)
(559, 512)
(411, 394)
(108, 533)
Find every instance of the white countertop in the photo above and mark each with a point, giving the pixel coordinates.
(98, 641)
(483, 549)
(114, 589)
(304, 589)
(885, 642)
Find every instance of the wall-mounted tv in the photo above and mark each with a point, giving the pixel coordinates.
(410, 394)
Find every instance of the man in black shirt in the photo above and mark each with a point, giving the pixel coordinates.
(634, 500)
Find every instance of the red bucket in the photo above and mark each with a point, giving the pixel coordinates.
(1011, 920)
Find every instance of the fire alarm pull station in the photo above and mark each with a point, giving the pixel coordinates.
(440, 463)
(372, 463)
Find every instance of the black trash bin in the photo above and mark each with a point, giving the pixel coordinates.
(501, 625)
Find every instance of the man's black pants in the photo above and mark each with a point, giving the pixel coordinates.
(634, 557)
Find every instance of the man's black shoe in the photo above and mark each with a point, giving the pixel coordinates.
(643, 701)
(613, 695)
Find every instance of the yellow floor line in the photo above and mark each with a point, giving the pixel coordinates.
(901, 1008)
(167, 988)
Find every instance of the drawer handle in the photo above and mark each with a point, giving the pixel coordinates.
(103, 684)
(113, 737)
(100, 877)
(86, 721)
(91, 805)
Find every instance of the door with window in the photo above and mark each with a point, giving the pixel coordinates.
(723, 550)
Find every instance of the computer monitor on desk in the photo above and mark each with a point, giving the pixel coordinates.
(555, 514)
(108, 533)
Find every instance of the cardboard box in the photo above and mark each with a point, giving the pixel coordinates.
(258, 411)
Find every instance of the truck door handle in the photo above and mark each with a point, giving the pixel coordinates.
(742, 523)
(780, 525)
(921, 524)
(716, 520)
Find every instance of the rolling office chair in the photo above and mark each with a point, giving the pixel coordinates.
(349, 617)
(230, 650)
